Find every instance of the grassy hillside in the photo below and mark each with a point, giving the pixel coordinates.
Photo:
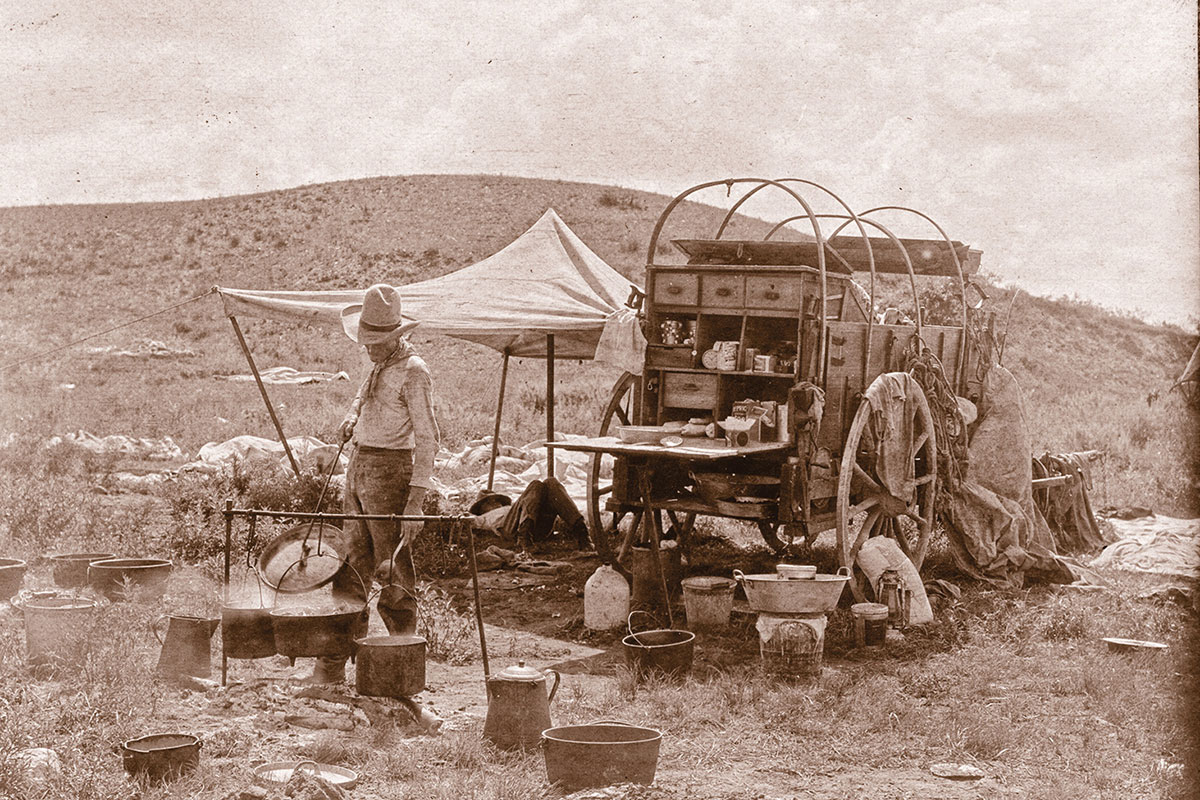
(70, 270)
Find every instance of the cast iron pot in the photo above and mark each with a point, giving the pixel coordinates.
(600, 754)
(71, 569)
(147, 575)
(310, 632)
(247, 632)
(12, 575)
(161, 756)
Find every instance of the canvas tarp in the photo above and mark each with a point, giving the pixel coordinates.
(995, 530)
(547, 281)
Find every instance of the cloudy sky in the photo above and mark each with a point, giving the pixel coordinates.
(1060, 137)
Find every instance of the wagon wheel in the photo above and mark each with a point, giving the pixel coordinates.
(603, 526)
(775, 535)
(865, 508)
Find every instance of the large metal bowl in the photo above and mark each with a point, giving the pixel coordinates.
(773, 594)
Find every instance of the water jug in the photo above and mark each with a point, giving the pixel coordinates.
(605, 599)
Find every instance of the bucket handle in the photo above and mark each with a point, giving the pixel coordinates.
(739, 576)
(553, 688)
(629, 620)
(843, 571)
(310, 764)
(154, 627)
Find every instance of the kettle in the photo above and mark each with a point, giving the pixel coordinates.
(518, 706)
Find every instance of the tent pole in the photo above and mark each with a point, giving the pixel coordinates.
(496, 432)
(237, 329)
(550, 404)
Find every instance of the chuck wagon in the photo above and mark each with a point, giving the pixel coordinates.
(784, 327)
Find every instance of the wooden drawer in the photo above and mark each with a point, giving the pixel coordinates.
(721, 290)
(689, 390)
(675, 288)
(774, 291)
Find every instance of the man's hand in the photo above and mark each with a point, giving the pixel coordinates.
(346, 429)
(409, 530)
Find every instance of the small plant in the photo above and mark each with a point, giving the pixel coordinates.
(623, 202)
(449, 634)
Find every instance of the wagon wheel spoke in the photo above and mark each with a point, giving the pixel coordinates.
(627, 540)
(873, 520)
(872, 485)
(600, 491)
(924, 479)
(868, 502)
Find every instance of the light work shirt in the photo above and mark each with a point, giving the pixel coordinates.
(394, 410)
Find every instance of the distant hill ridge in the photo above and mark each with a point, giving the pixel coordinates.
(67, 270)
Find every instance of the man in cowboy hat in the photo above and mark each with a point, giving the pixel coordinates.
(395, 437)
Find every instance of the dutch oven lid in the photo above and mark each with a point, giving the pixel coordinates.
(302, 558)
(520, 672)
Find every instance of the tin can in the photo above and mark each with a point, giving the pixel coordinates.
(749, 357)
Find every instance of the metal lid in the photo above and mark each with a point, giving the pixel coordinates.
(389, 640)
(278, 773)
(302, 558)
(520, 672)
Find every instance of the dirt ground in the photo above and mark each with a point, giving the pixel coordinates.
(538, 619)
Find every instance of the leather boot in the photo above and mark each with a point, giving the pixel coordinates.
(327, 670)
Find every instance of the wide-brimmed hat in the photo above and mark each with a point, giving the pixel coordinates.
(377, 319)
(488, 501)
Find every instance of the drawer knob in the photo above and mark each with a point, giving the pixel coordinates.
(723, 291)
(690, 387)
(674, 289)
(771, 294)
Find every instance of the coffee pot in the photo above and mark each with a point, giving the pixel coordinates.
(518, 706)
(894, 594)
(186, 647)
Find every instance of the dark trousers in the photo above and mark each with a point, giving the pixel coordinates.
(532, 517)
(377, 482)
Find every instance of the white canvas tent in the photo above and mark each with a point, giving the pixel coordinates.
(545, 295)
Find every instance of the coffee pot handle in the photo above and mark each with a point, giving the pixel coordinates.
(154, 627)
(554, 687)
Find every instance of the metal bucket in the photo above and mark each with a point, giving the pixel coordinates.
(247, 632)
(667, 653)
(390, 666)
(708, 601)
(600, 754)
(57, 629)
(71, 569)
(161, 756)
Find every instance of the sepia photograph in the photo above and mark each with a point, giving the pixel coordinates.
(599, 401)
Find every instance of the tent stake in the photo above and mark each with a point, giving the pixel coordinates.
(496, 432)
(237, 329)
(550, 404)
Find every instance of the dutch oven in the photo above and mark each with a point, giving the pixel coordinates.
(319, 631)
(161, 756)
